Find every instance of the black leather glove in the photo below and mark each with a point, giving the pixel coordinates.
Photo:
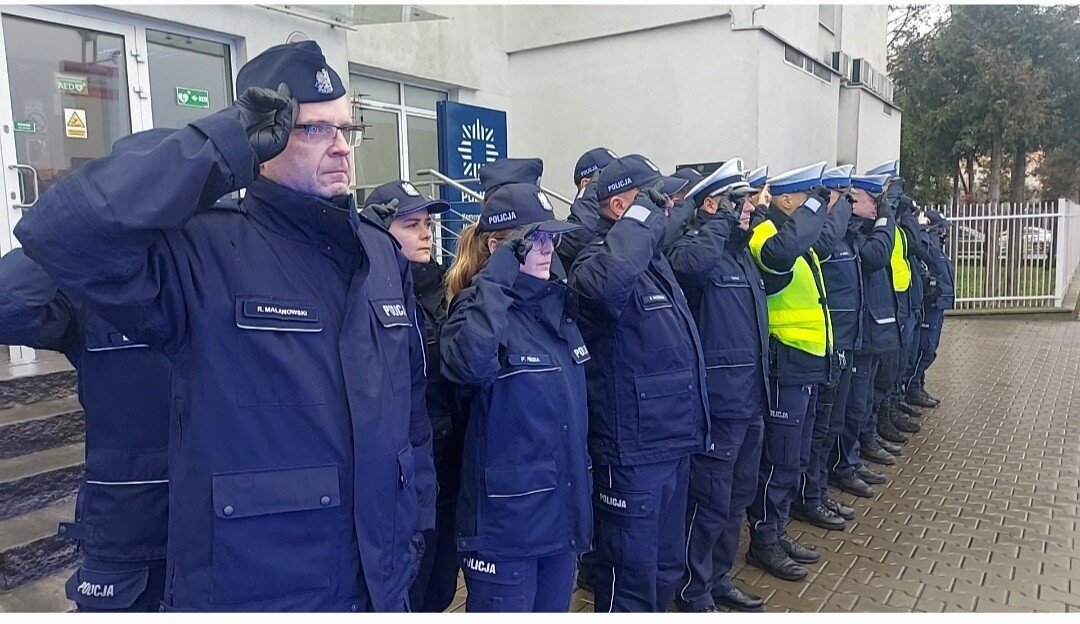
(519, 242)
(268, 117)
(417, 546)
(889, 200)
(822, 194)
(385, 212)
(657, 197)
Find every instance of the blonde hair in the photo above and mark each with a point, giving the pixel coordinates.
(472, 255)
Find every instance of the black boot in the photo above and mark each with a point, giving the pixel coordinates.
(852, 485)
(798, 552)
(885, 427)
(905, 424)
(772, 559)
(913, 412)
(586, 571)
(892, 449)
(871, 477)
(737, 600)
(921, 398)
(819, 516)
(840, 509)
(872, 452)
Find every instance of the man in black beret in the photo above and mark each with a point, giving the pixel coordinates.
(300, 453)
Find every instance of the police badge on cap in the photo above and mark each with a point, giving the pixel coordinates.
(300, 65)
(544, 203)
(409, 189)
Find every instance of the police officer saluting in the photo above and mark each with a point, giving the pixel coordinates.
(870, 238)
(940, 296)
(301, 471)
(585, 209)
(512, 344)
(801, 347)
(727, 296)
(123, 510)
(406, 214)
(647, 401)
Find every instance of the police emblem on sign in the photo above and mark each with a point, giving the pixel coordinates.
(322, 82)
(410, 189)
(544, 203)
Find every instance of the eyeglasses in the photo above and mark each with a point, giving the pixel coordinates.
(543, 238)
(325, 134)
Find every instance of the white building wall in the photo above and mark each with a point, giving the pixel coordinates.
(864, 32)
(797, 112)
(650, 92)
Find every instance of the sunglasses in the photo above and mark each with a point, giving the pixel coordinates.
(541, 238)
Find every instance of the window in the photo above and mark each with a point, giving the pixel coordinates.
(401, 135)
(887, 109)
(189, 78)
(807, 64)
(827, 16)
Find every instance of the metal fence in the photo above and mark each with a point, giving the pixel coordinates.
(1013, 256)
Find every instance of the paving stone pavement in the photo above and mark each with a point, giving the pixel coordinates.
(982, 512)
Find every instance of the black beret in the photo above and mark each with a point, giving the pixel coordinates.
(300, 65)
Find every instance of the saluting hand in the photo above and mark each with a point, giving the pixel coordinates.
(519, 242)
(386, 212)
(268, 117)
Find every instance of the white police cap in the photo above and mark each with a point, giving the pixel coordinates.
(889, 167)
(797, 180)
(728, 177)
(758, 177)
(837, 178)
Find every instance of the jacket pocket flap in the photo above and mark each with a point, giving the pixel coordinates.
(106, 590)
(726, 452)
(269, 314)
(520, 480)
(263, 492)
(882, 316)
(664, 384)
(727, 358)
(629, 504)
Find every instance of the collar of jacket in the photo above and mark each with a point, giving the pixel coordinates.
(301, 217)
(546, 296)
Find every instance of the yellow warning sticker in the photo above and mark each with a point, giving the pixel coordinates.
(75, 123)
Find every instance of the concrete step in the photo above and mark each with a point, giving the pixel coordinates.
(42, 596)
(30, 548)
(27, 384)
(39, 426)
(37, 480)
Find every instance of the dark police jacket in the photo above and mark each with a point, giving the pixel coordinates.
(301, 456)
(447, 425)
(512, 344)
(122, 510)
(647, 397)
(843, 276)
(942, 274)
(726, 294)
(872, 242)
(796, 234)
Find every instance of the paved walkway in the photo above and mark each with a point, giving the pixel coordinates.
(982, 513)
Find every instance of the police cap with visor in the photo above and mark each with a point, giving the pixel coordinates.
(801, 180)
(409, 200)
(509, 171)
(837, 178)
(727, 178)
(627, 173)
(516, 205)
(592, 161)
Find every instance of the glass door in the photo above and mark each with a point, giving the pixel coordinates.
(69, 88)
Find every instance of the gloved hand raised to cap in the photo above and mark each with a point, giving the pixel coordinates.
(520, 241)
(268, 117)
(657, 197)
(890, 198)
(822, 194)
(386, 212)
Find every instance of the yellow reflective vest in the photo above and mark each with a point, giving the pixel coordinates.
(798, 317)
(901, 270)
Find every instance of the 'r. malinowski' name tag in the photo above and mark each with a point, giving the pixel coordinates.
(280, 311)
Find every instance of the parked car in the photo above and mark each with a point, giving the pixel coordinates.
(1037, 244)
(968, 243)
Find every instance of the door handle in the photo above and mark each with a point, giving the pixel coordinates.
(33, 176)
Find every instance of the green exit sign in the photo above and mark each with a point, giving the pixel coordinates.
(25, 126)
(192, 98)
